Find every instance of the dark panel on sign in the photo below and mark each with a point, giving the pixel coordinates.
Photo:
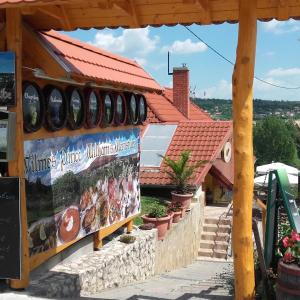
(10, 231)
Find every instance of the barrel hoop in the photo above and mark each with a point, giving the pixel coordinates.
(287, 290)
(286, 268)
(288, 285)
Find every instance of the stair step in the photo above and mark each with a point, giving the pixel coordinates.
(214, 254)
(212, 236)
(214, 245)
(205, 252)
(217, 228)
(220, 254)
(223, 221)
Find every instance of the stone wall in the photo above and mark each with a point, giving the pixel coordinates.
(118, 264)
(181, 244)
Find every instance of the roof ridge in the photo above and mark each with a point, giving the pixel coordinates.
(88, 47)
(199, 108)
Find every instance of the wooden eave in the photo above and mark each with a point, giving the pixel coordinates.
(72, 14)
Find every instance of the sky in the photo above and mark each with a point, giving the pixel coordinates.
(277, 55)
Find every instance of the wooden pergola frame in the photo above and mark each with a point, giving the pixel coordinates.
(72, 14)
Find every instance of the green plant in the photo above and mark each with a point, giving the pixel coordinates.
(176, 207)
(147, 203)
(181, 172)
(157, 211)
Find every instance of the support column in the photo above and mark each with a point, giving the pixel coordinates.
(242, 84)
(16, 167)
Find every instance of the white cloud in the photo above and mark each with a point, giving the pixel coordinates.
(260, 86)
(223, 89)
(141, 61)
(280, 72)
(185, 47)
(158, 67)
(269, 53)
(130, 41)
(281, 27)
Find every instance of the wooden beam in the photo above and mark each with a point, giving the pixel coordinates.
(29, 11)
(242, 84)
(65, 18)
(57, 12)
(2, 39)
(16, 167)
(134, 15)
(203, 6)
(52, 11)
(22, 4)
(39, 55)
(283, 10)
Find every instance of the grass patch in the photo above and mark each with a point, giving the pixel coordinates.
(147, 203)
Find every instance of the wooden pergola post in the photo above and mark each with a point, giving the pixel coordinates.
(16, 167)
(242, 94)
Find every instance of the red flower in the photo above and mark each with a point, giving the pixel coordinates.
(295, 236)
(286, 242)
(288, 257)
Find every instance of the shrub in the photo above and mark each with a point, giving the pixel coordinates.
(157, 211)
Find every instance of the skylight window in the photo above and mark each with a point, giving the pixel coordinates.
(156, 142)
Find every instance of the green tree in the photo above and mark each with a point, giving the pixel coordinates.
(274, 140)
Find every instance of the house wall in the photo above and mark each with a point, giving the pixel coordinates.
(225, 168)
(215, 192)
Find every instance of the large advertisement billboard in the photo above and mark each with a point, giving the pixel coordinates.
(77, 185)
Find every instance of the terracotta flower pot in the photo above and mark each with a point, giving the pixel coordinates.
(171, 214)
(184, 199)
(177, 216)
(183, 212)
(162, 224)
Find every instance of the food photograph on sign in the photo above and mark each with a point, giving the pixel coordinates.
(77, 185)
(7, 78)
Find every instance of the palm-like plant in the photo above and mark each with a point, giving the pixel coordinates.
(181, 172)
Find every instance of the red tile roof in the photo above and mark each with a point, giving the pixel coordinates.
(163, 108)
(88, 61)
(196, 113)
(205, 139)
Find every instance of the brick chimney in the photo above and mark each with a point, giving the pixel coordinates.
(181, 90)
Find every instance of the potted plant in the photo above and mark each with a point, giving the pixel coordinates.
(180, 173)
(159, 216)
(289, 267)
(178, 211)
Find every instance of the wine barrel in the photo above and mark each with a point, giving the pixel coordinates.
(288, 282)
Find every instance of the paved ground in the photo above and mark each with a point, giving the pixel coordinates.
(200, 280)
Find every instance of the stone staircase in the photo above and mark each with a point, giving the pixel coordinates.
(215, 240)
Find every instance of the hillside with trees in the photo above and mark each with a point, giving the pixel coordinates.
(276, 140)
(221, 109)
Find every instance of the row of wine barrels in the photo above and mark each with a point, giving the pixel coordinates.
(55, 108)
(288, 282)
